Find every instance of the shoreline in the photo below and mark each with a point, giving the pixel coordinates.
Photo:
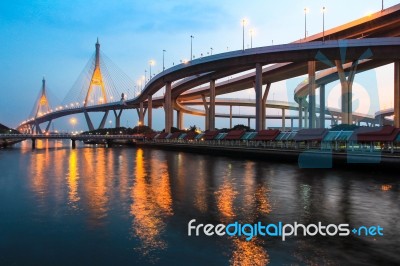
(305, 159)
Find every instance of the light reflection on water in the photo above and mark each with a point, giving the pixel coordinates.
(131, 205)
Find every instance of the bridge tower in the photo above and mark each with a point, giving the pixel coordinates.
(97, 78)
(42, 107)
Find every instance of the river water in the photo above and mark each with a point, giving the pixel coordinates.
(129, 206)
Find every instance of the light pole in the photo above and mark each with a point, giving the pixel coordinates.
(73, 123)
(323, 24)
(243, 22)
(211, 50)
(191, 47)
(163, 67)
(305, 22)
(151, 62)
(382, 5)
(251, 38)
(145, 74)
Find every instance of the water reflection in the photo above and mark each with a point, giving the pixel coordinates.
(243, 252)
(72, 178)
(152, 202)
(142, 200)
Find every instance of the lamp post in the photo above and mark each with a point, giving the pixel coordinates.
(305, 22)
(382, 5)
(243, 23)
(251, 38)
(73, 123)
(323, 24)
(163, 67)
(191, 47)
(151, 62)
(145, 74)
(211, 50)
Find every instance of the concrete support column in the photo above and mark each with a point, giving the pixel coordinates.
(347, 85)
(88, 121)
(322, 106)
(206, 109)
(283, 119)
(291, 124)
(230, 116)
(179, 119)
(117, 118)
(73, 144)
(48, 126)
(259, 100)
(33, 144)
(149, 111)
(397, 93)
(38, 129)
(300, 113)
(311, 93)
(248, 122)
(211, 111)
(305, 117)
(168, 108)
(103, 120)
(141, 114)
(264, 106)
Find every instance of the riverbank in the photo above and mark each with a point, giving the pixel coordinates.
(311, 158)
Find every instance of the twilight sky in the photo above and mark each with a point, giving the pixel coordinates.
(55, 39)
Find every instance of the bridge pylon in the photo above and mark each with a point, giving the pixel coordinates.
(41, 107)
(97, 79)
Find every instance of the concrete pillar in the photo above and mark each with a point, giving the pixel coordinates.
(38, 129)
(73, 144)
(397, 93)
(211, 113)
(141, 114)
(291, 124)
(264, 106)
(88, 121)
(259, 100)
(179, 119)
(168, 108)
(283, 119)
(103, 120)
(230, 116)
(248, 122)
(33, 144)
(206, 110)
(48, 126)
(149, 111)
(300, 113)
(117, 118)
(311, 93)
(322, 106)
(347, 85)
(306, 118)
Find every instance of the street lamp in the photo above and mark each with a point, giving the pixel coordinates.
(243, 23)
(191, 47)
(211, 50)
(163, 67)
(73, 123)
(251, 38)
(151, 63)
(323, 24)
(305, 22)
(145, 72)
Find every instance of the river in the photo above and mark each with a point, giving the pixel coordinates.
(129, 206)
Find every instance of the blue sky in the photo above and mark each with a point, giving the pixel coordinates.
(55, 39)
